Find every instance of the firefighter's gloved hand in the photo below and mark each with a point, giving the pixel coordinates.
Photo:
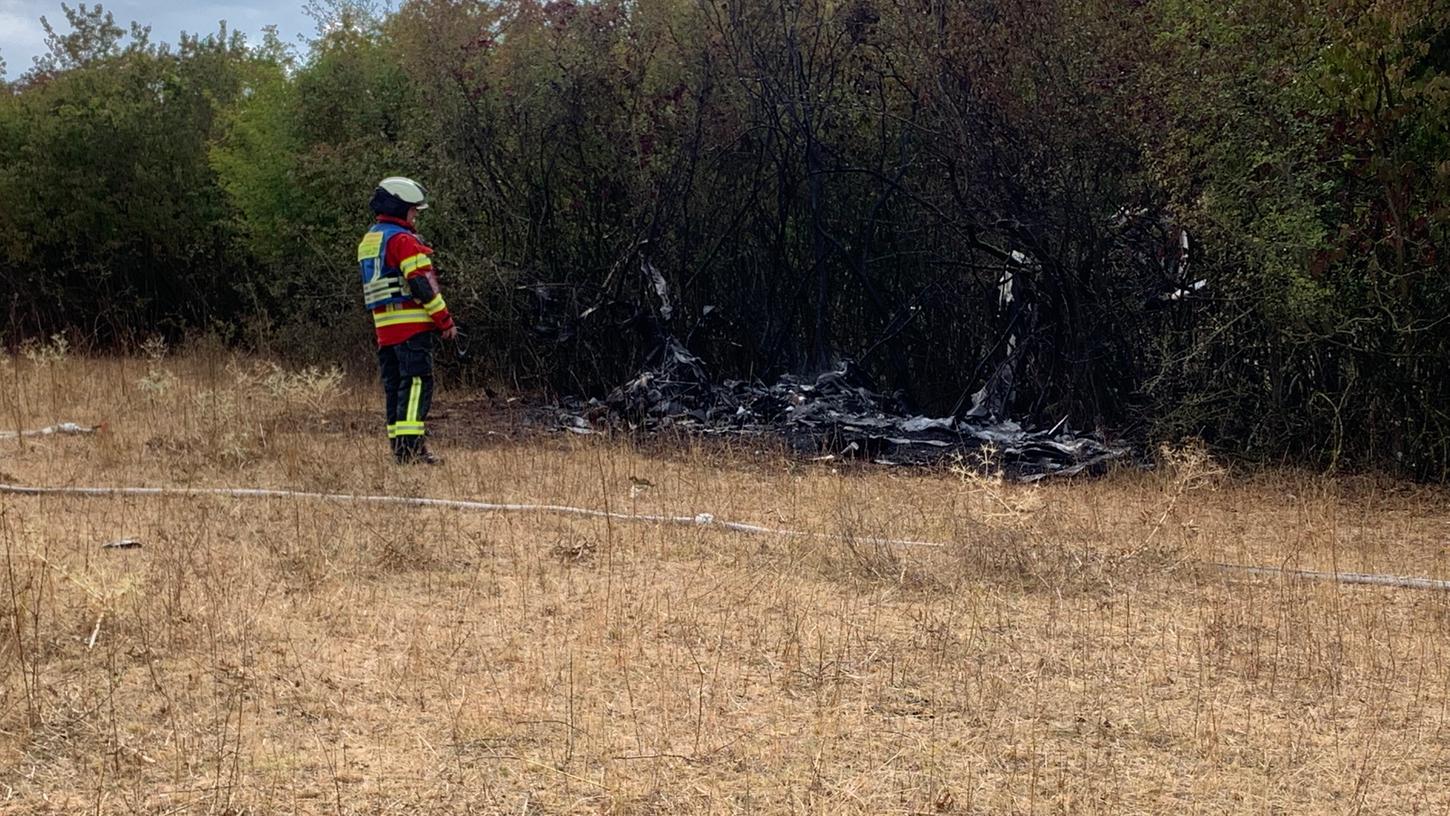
(451, 333)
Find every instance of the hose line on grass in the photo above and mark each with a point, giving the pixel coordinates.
(697, 520)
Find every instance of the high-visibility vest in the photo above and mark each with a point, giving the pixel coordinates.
(382, 285)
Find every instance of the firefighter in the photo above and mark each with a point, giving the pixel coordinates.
(400, 288)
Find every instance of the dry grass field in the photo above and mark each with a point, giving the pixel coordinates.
(1068, 651)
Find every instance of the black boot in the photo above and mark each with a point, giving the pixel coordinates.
(423, 456)
(413, 450)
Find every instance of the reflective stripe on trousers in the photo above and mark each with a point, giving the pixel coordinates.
(407, 375)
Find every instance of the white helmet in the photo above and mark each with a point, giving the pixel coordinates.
(408, 191)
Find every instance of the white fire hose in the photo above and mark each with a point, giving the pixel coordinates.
(697, 520)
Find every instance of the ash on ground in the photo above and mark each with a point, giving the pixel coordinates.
(835, 414)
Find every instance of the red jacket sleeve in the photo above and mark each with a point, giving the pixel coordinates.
(405, 252)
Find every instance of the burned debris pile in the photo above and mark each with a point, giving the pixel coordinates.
(836, 414)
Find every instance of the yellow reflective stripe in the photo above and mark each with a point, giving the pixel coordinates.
(413, 264)
(371, 246)
(399, 316)
(435, 305)
(408, 429)
(383, 322)
(415, 401)
(382, 287)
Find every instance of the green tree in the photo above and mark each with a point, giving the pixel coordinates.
(116, 224)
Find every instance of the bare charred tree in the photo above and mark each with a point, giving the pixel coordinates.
(983, 202)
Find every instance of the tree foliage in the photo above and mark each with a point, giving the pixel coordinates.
(944, 191)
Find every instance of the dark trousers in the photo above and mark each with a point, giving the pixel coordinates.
(407, 370)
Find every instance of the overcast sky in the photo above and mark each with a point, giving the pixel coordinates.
(21, 37)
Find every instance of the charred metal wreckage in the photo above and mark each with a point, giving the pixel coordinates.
(840, 413)
(837, 413)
